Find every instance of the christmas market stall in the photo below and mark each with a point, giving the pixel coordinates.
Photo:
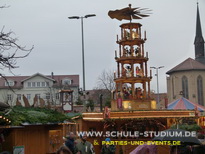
(33, 130)
(129, 122)
(185, 104)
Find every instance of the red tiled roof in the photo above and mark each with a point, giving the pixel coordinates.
(17, 81)
(58, 80)
(187, 65)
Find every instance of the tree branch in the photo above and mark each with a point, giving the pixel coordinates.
(9, 50)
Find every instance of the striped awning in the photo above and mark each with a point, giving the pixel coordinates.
(184, 104)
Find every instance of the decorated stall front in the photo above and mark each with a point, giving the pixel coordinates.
(33, 130)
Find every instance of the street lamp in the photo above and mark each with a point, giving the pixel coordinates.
(83, 60)
(157, 68)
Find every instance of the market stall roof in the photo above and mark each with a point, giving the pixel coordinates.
(27, 116)
(72, 114)
(183, 103)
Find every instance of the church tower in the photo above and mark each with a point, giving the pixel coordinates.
(187, 79)
(199, 40)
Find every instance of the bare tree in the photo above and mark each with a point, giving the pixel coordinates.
(4, 6)
(10, 51)
(105, 86)
(106, 80)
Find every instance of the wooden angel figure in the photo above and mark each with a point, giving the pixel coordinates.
(127, 35)
(134, 35)
(137, 71)
(128, 71)
(139, 92)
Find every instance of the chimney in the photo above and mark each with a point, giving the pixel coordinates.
(52, 75)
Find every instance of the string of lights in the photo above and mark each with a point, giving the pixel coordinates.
(5, 119)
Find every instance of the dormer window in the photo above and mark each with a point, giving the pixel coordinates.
(67, 81)
(37, 84)
(9, 83)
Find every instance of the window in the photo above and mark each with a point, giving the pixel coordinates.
(43, 84)
(28, 96)
(67, 82)
(48, 96)
(28, 84)
(200, 90)
(9, 83)
(9, 97)
(47, 84)
(57, 96)
(33, 84)
(185, 88)
(19, 96)
(38, 84)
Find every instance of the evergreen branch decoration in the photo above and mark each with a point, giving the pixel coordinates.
(20, 115)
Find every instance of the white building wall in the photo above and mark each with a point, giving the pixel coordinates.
(32, 91)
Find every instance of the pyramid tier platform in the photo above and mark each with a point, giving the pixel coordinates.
(133, 59)
(133, 104)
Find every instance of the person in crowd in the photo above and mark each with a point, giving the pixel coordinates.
(84, 146)
(108, 149)
(70, 141)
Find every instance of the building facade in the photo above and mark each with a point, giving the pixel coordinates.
(188, 78)
(37, 87)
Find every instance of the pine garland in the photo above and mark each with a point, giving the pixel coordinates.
(32, 115)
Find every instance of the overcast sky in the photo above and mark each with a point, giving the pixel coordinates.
(57, 40)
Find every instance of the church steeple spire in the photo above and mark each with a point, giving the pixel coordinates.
(199, 40)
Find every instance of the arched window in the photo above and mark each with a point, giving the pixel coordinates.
(185, 88)
(200, 90)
